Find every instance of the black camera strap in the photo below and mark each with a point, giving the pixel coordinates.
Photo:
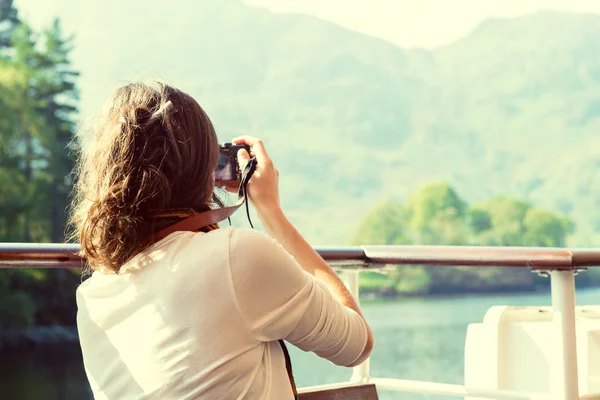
(201, 220)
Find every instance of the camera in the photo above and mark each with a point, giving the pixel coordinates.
(228, 171)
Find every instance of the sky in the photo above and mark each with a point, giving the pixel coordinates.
(422, 23)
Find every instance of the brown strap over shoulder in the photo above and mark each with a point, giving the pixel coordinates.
(198, 221)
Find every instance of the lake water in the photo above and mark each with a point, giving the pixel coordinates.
(420, 339)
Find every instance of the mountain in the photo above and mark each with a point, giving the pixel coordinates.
(529, 95)
(351, 120)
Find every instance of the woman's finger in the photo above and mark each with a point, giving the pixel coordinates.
(249, 140)
(258, 148)
(243, 157)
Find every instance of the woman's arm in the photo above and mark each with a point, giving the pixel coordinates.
(280, 229)
(264, 194)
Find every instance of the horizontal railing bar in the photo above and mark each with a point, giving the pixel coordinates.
(39, 255)
(446, 389)
(523, 257)
(48, 255)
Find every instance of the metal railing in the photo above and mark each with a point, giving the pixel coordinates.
(49, 255)
(559, 263)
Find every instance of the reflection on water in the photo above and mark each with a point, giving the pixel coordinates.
(419, 339)
(54, 372)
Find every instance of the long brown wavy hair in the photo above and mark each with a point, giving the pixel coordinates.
(142, 156)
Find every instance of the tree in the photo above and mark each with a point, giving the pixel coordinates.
(479, 220)
(38, 99)
(545, 229)
(499, 222)
(44, 110)
(436, 215)
(8, 21)
(12, 180)
(432, 215)
(509, 222)
(385, 224)
(58, 96)
(29, 125)
(11, 78)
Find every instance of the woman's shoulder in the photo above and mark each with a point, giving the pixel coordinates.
(233, 240)
(229, 234)
(251, 240)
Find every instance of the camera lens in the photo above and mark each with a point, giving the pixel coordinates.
(222, 162)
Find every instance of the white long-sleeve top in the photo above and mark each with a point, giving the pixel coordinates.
(198, 316)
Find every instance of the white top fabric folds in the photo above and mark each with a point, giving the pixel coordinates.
(198, 316)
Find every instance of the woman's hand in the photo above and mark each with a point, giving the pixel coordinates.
(263, 188)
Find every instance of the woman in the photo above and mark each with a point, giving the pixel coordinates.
(195, 315)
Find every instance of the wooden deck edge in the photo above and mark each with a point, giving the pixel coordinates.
(342, 391)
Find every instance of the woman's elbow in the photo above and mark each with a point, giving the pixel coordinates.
(366, 352)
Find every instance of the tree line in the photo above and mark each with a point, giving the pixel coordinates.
(38, 111)
(436, 215)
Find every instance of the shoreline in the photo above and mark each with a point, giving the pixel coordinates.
(391, 294)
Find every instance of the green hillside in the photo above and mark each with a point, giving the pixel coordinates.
(526, 101)
(511, 109)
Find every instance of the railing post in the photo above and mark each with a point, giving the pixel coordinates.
(360, 373)
(566, 382)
